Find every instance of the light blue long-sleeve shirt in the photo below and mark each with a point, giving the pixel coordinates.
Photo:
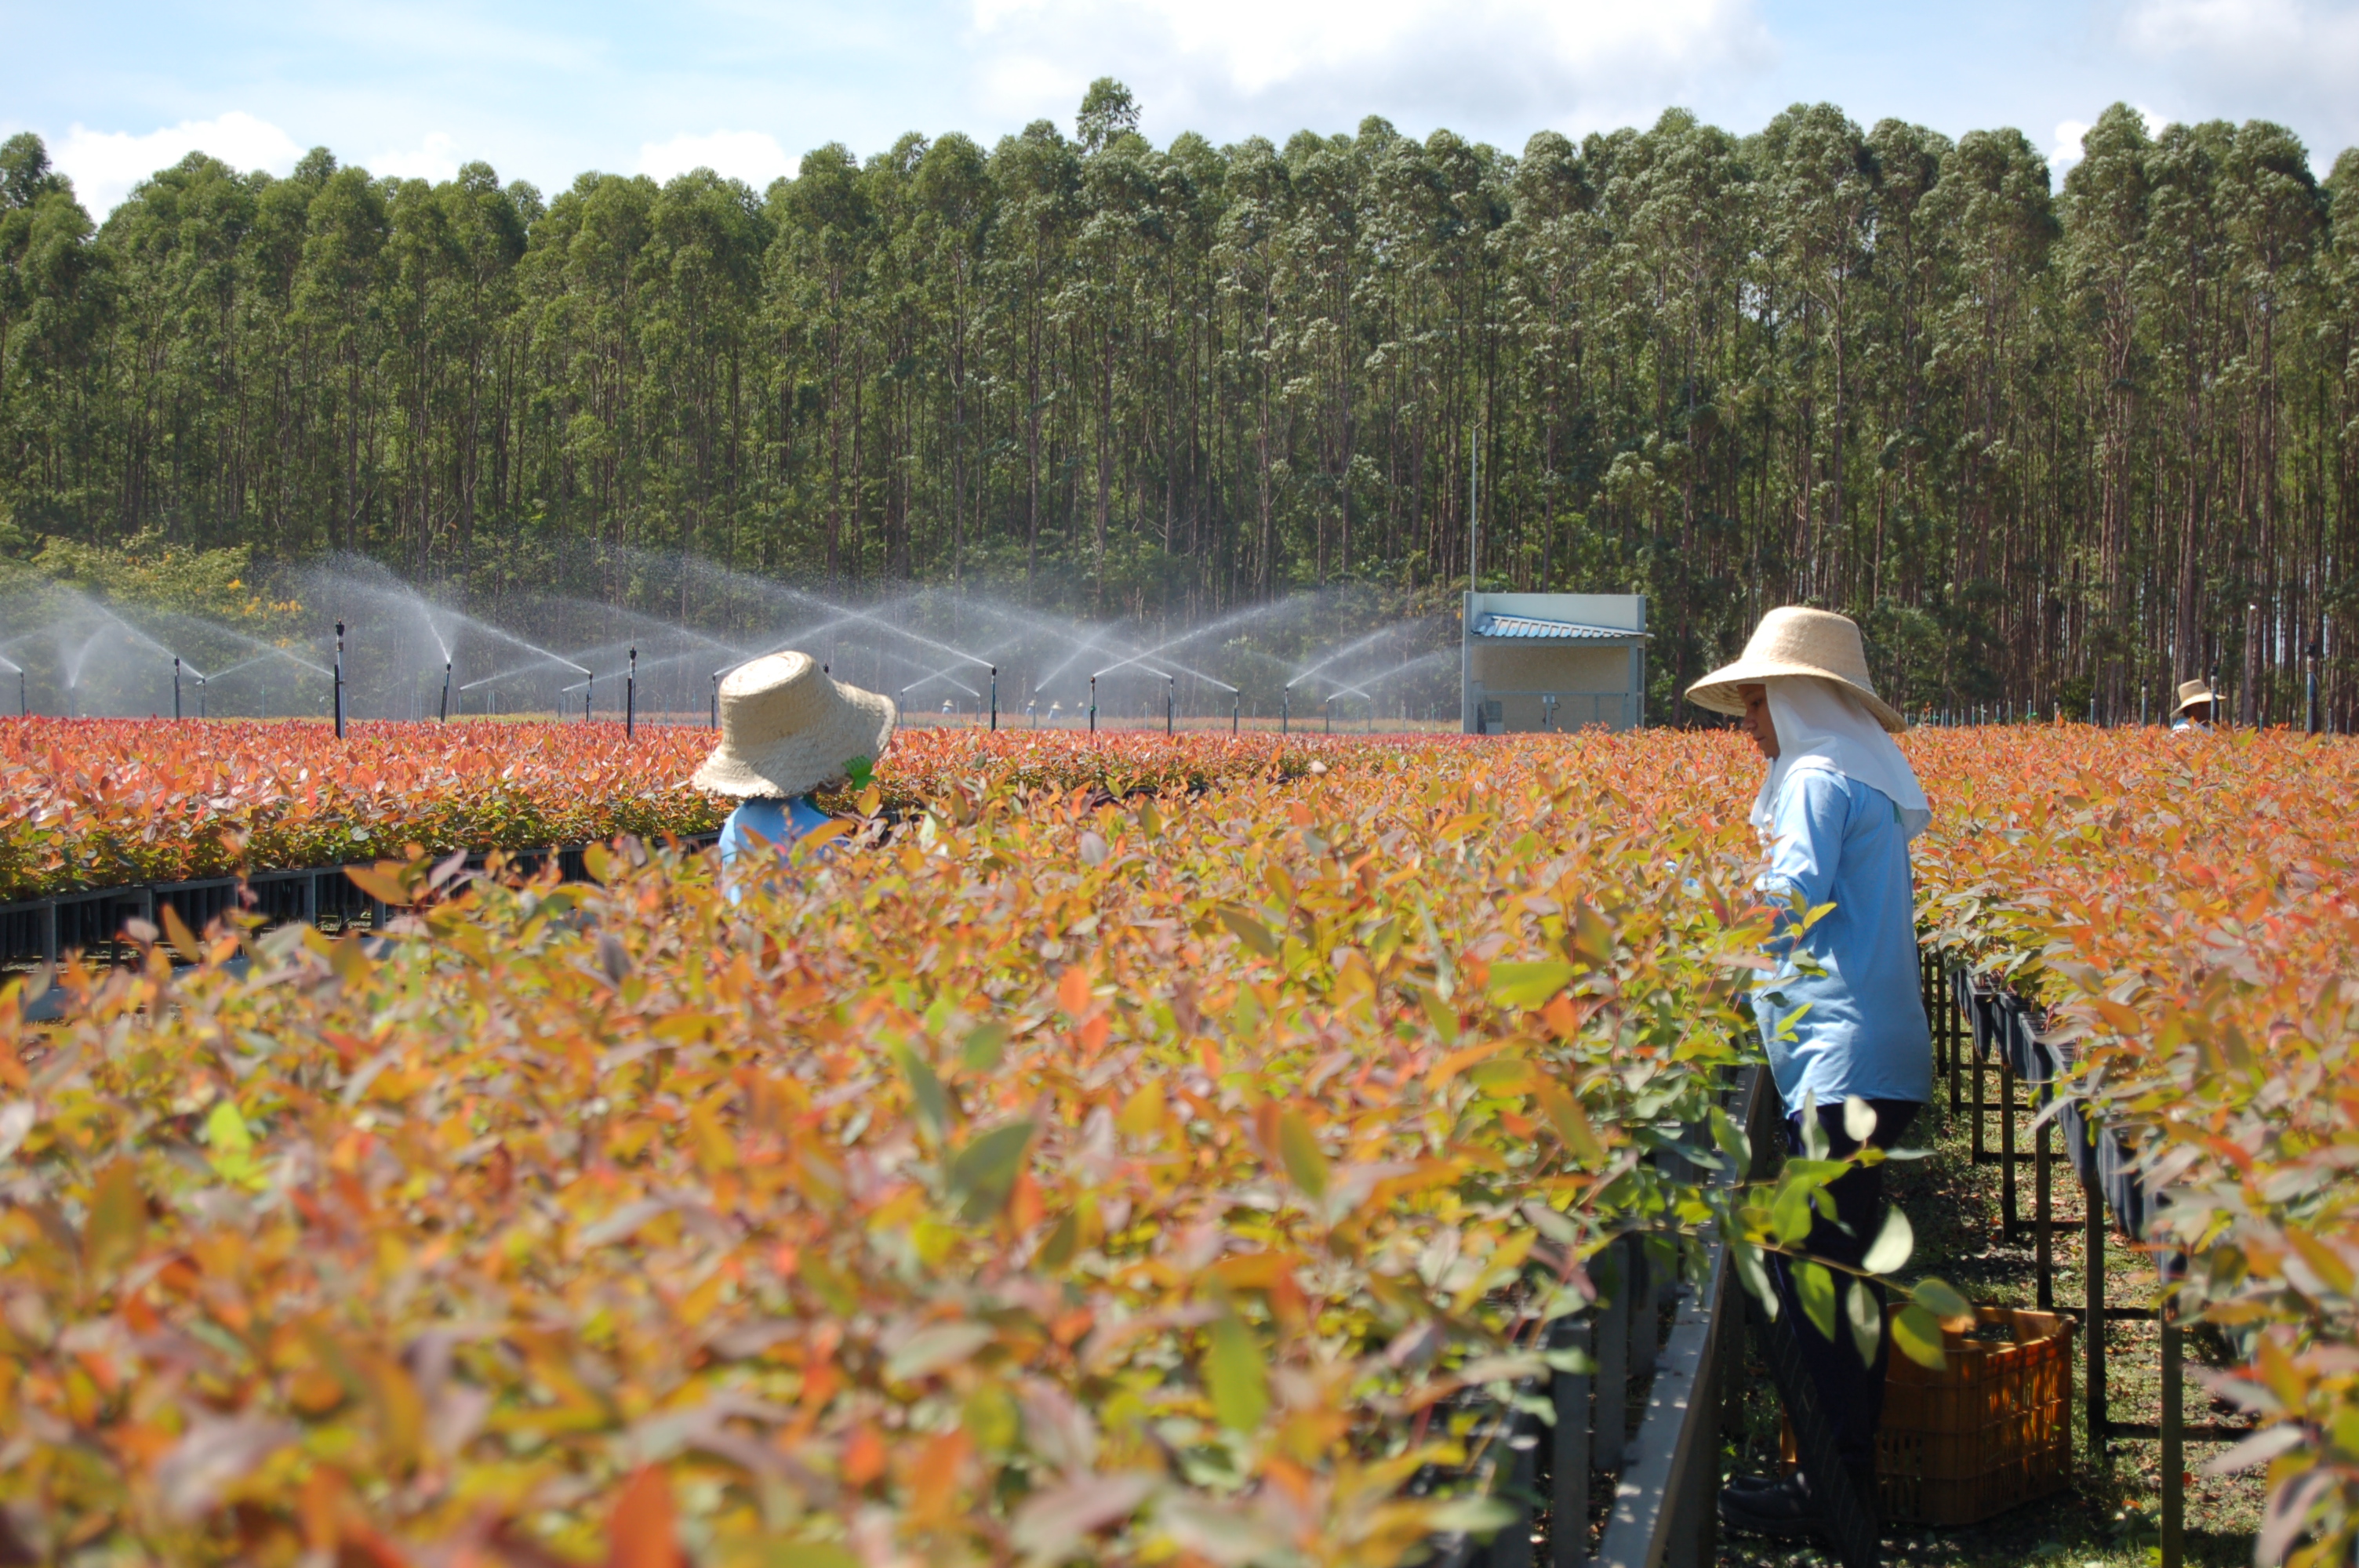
(1858, 1026)
(765, 826)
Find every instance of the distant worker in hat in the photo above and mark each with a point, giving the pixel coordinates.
(1840, 1016)
(787, 730)
(2197, 702)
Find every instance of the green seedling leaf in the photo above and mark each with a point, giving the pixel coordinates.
(1892, 1246)
(1528, 984)
(1470, 1516)
(860, 771)
(1251, 931)
(931, 1349)
(1859, 1118)
(1297, 1146)
(1234, 1374)
(1816, 1286)
(984, 1172)
(1752, 1267)
(1940, 1299)
(983, 1047)
(1865, 1316)
(1789, 1211)
(1917, 1334)
(232, 1145)
(926, 1094)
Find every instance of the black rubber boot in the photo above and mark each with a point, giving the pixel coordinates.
(1782, 1510)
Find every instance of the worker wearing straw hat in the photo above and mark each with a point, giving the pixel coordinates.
(1840, 1016)
(2197, 703)
(787, 730)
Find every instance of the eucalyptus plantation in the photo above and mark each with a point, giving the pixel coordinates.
(2051, 448)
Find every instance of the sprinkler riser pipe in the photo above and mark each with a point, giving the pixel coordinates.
(339, 680)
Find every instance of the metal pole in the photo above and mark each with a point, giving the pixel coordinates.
(443, 716)
(1284, 708)
(716, 702)
(1234, 699)
(200, 697)
(1474, 509)
(176, 685)
(1171, 701)
(1093, 705)
(589, 690)
(1331, 714)
(339, 680)
(631, 699)
(23, 709)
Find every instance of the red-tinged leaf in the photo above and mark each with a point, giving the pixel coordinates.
(645, 1531)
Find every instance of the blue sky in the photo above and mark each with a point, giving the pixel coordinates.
(543, 90)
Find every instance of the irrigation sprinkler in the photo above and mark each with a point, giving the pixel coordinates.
(200, 697)
(1235, 698)
(715, 724)
(1284, 708)
(1093, 705)
(339, 680)
(631, 699)
(24, 710)
(1171, 701)
(1330, 711)
(589, 690)
(175, 687)
(995, 699)
(444, 716)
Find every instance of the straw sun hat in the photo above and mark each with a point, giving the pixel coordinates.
(1793, 641)
(2191, 692)
(787, 728)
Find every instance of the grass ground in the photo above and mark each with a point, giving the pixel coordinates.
(2110, 1516)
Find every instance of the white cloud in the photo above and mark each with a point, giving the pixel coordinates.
(1223, 65)
(2282, 59)
(105, 164)
(754, 156)
(435, 158)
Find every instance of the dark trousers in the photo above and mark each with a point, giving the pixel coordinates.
(1851, 1392)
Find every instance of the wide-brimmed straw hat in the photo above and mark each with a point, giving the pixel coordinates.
(1794, 641)
(787, 728)
(2191, 692)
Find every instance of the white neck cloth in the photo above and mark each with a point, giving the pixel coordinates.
(1821, 726)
